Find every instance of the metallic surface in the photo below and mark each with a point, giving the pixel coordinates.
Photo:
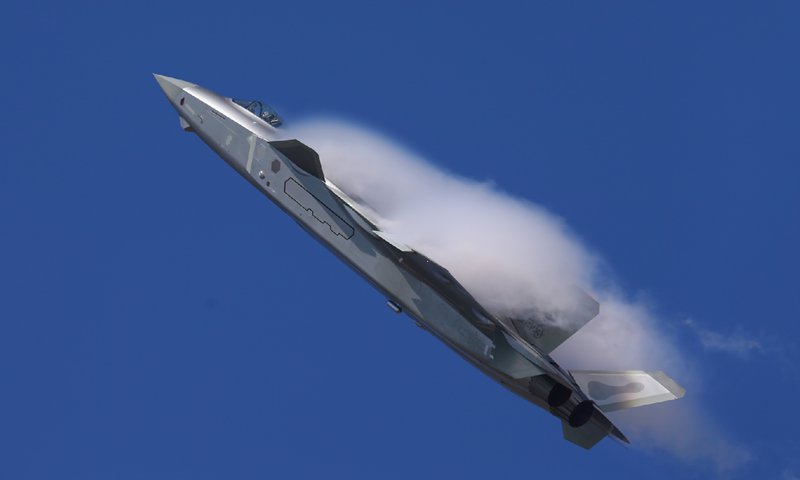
(513, 352)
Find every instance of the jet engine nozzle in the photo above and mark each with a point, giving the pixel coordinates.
(559, 395)
(546, 388)
(581, 414)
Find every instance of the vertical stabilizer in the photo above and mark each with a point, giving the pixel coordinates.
(547, 331)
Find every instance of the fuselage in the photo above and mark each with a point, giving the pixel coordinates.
(290, 175)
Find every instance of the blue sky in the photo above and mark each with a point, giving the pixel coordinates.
(160, 319)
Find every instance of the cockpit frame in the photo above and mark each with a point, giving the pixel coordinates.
(260, 110)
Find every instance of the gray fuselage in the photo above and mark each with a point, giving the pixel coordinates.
(288, 173)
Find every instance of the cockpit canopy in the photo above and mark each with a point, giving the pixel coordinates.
(261, 110)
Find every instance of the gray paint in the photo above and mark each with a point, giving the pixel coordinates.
(511, 351)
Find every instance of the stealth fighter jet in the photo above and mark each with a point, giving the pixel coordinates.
(513, 351)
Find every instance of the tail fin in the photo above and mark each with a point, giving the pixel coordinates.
(633, 388)
(590, 433)
(549, 330)
(586, 436)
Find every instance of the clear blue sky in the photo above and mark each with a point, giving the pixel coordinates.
(160, 319)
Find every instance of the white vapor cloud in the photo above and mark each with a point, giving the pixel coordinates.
(737, 342)
(514, 257)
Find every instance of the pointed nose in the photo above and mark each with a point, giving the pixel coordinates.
(172, 86)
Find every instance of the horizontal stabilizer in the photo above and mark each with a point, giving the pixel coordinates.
(617, 390)
(549, 330)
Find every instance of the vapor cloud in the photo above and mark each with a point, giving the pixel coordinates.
(514, 256)
(737, 343)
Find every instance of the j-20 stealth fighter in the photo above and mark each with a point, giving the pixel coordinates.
(513, 351)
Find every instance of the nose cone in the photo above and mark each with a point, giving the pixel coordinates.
(172, 86)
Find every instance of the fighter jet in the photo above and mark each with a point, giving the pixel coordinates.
(513, 351)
